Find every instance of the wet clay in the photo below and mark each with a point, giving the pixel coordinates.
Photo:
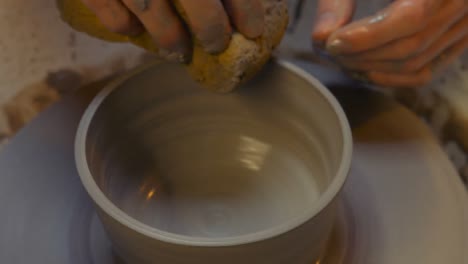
(142, 5)
(378, 18)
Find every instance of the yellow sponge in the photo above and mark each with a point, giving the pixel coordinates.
(220, 72)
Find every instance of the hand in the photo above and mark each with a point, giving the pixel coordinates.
(208, 20)
(404, 45)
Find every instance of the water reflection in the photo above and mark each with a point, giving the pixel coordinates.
(150, 187)
(252, 152)
(150, 194)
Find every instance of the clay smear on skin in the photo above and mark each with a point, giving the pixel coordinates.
(142, 5)
(378, 18)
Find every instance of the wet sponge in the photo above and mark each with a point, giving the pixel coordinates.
(219, 72)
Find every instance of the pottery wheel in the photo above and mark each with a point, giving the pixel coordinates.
(403, 202)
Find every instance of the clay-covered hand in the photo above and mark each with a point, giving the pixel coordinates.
(208, 20)
(403, 45)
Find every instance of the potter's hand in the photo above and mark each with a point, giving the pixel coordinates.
(403, 45)
(208, 20)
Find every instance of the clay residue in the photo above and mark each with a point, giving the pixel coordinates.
(27, 104)
(64, 81)
(35, 98)
(378, 18)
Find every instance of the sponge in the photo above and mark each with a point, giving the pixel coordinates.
(221, 72)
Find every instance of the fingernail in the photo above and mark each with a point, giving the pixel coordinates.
(173, 56)
(255, 26)
(215, 39)
(335, 46)
(179, 52)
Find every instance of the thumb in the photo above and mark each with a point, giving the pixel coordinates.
(331, 15)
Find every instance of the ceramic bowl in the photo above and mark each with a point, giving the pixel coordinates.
(182, 175)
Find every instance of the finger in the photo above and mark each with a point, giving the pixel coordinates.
(453, 35)
(399, 80)
(248, 16)
(450, 55)
(165, 27)
(451, 12)
(425, 75)
(209, 23)
(331, 15)
(401, 19)
(115, 16)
